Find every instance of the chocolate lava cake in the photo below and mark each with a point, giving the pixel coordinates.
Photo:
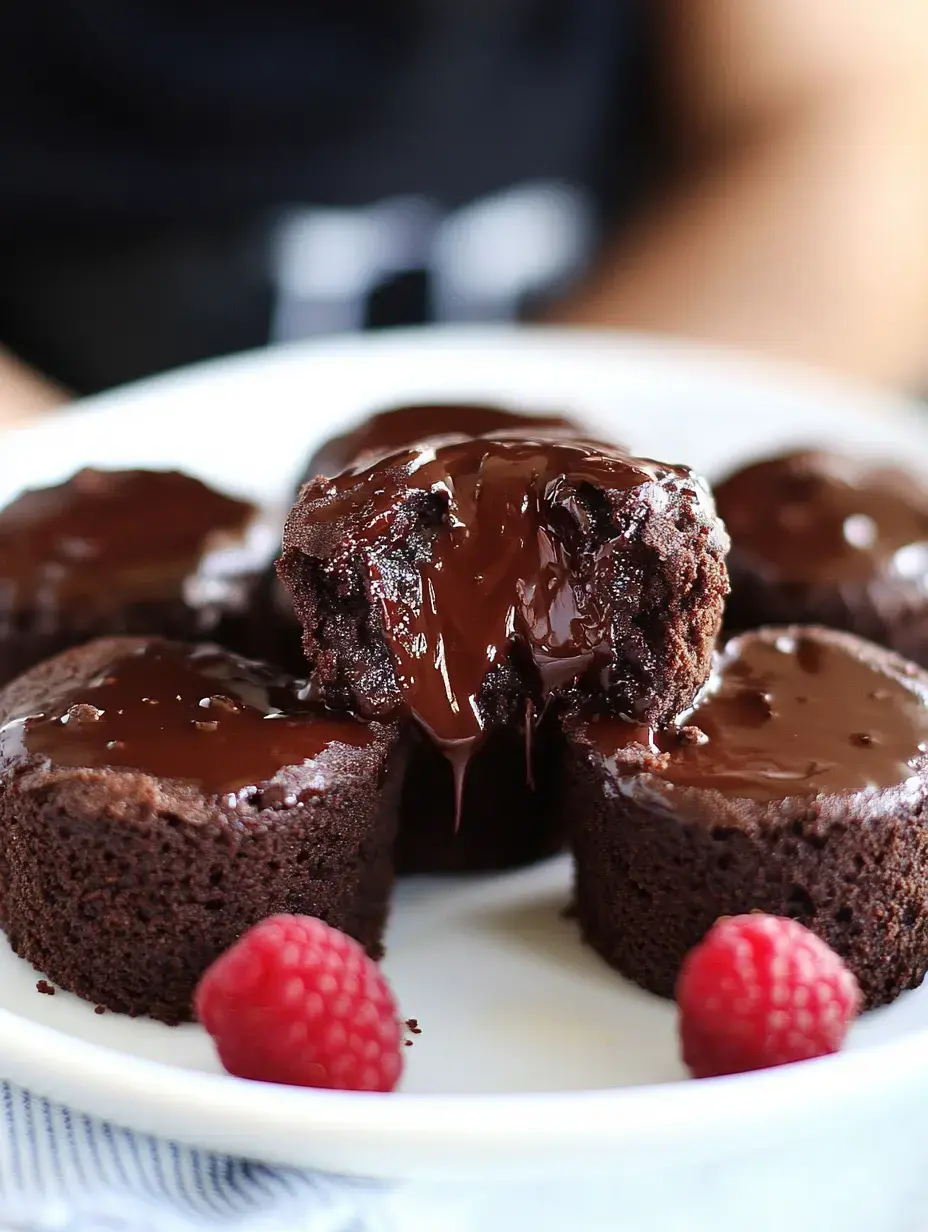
(821, 538)
(156, 799)
(797, 785)
(506, 814)
(402, 426)
(113, 552)
(474, 584)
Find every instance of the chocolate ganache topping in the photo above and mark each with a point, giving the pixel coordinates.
(192, 713)
(519, 532)
(392, 430)
(131, 529)
(813, 517)
(786, 713)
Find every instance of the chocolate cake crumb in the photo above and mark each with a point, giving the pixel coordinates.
(45, 988)
(692, 735)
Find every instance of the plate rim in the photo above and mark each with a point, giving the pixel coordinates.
(610, 347)
(528, 1128)
(523, 1126)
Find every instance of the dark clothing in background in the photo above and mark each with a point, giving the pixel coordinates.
(148, 149)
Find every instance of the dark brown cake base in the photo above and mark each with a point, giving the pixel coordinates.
(650, 883)
(505, 822)
(123, 887)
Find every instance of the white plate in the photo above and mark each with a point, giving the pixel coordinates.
(533, 1055)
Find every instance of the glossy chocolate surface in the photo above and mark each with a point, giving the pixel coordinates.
(786, 716)
(131, 532)
(192, 713)
(402, 426)
(509, 564)
(822, 518)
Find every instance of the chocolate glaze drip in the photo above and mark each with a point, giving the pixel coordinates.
(816, 517)
(507, 569)
(403, 426)
(529, 730)
(783, 716)
(193, 713)
(138, 531)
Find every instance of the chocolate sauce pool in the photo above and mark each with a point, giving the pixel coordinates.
(789, 716)
(196, 714)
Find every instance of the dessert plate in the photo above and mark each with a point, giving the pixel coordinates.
(534, 1059)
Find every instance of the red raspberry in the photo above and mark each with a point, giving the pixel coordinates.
(761, 991)
(298, 1002)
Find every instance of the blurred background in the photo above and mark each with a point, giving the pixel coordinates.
(187, 178)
